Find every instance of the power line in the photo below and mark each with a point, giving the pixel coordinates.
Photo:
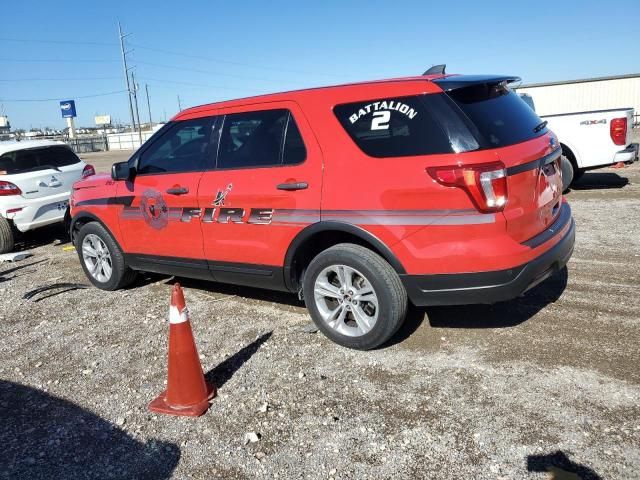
(67, 42)
(209, 72)
(230, 62)
(59, 98)
(54, 60)
(56, 79)
(190, 84)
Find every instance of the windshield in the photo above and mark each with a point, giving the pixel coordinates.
(32, 159)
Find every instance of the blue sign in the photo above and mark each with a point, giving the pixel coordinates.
(68, 108)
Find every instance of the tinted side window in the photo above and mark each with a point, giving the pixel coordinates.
(393, 127)
(182, 148)
(260, 139)
(33, 159)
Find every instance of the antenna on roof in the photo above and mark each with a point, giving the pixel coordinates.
(436, 70)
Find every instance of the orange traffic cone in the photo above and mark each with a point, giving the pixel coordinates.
(187, 391)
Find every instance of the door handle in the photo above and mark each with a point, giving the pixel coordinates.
(177, 190)
(293, 186)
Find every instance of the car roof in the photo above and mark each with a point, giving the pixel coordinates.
(13, 145)
(293, 94)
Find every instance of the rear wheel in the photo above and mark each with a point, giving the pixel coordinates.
(7, 241)
(101, 258)
(567, 172)
(354, 296)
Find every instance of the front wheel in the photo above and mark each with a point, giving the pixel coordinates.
(354, 296)
(101, 258)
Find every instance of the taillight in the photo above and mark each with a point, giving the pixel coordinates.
(8, 188)
(486, 183)
(88, 170)
(618, 130)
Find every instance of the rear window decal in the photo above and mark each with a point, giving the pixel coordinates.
(383, 106)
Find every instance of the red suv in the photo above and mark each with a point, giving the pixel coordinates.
(438, 189)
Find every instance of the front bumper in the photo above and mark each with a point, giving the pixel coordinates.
(495, 286)
(629, 154)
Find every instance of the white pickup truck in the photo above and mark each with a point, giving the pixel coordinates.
(592, 139)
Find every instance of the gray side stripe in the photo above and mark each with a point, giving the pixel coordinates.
(413, 219)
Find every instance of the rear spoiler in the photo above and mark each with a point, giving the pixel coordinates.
(454, 82)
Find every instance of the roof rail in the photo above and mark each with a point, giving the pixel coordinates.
(436, 70)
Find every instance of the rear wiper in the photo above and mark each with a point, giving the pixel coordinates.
(52, 167)
(540, 127)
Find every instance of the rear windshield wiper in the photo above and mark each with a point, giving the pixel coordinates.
(540, 127)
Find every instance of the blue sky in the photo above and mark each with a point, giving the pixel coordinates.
(206, 51)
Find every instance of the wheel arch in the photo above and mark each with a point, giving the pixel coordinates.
(322, 235)
(568, 152)
(83, 218)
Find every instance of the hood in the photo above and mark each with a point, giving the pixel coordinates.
(97, 180)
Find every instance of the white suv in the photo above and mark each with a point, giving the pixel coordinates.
(35, 184)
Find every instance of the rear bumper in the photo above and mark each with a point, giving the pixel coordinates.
(32, 213)
(629, 154)
(500, 285)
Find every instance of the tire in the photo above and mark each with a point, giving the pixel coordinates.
(7, 240)
(100, 241)
(567, 172)
(379, 317)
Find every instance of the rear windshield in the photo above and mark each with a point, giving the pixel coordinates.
(32, 159)
(466, 119)
(499, 115)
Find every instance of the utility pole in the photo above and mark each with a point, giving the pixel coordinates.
(135, 102)
(146, 87)
(179, 104)
(126, 73)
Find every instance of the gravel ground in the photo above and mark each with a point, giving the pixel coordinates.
(546, 383)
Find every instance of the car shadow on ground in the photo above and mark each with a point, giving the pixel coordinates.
(499, 315)
(43, 436)
(220, 290)
(560, 466)
(17, 268)
(599, 180)
(51, 234)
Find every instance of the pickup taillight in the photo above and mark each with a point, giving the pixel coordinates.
(8, 188)
(618, 130)
(485, 184)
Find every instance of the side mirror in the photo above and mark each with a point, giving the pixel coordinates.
(121, 171)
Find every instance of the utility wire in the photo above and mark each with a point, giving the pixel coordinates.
(209, 72)
(58, 98)
(67, 42)
(229, 62)
(56, 79)
(190, 84)
(54, 60)
(179, 54)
